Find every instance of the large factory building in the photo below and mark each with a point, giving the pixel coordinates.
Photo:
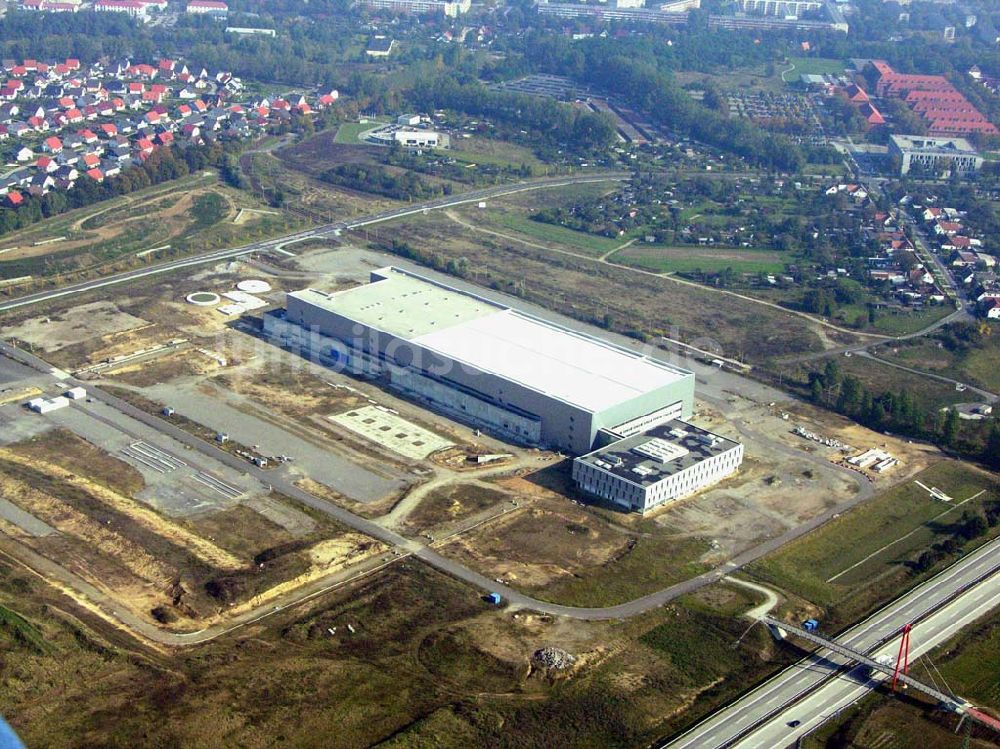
(508, 372)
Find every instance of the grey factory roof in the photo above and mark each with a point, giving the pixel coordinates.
(662, 451)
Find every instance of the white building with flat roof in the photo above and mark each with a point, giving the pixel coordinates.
(517, 375)
(665, 463)
(933, 155)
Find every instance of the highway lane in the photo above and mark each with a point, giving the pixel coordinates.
(847, 688)
(328, 230)
(729, 724)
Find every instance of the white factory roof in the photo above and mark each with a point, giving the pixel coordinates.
(400, 303)
(587, 372)
(572, 367)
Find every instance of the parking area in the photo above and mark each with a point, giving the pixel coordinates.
(177, 482)
(244, 422)
(389, 430)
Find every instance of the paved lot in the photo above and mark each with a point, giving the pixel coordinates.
(391, 431)
(18, 424)
(360, 483)
(177, 482)
(12, 371)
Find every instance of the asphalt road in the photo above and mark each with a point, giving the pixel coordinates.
(279, 481)
(774, 698)
(847, 688)
(318, 232)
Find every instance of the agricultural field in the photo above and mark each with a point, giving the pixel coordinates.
(188, 215)
(699, 259)
(871, 552)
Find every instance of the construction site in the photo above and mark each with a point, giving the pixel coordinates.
(180, 479)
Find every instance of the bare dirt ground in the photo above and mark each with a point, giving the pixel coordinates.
(539, 543)
(85, 322)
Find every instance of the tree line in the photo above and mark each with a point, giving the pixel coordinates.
(900, 412)
(381, 180)
(556, 123)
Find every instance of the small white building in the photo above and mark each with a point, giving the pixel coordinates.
(421, 138)
(667, 462)
(409, 120)
(47, 405)
(76, 393)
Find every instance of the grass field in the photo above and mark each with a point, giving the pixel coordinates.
(853, 562)
(189, 214)
(654, 563)
(699, 258)
(814, 66)
(349, 132)
(478, 150)
(979, 366)
(554, 234)
(879, 377)
(901, 324)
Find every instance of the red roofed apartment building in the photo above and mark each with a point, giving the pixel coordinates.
(132, 8)
(943, 107)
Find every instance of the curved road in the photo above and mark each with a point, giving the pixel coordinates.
(283, 483)
(318, 232)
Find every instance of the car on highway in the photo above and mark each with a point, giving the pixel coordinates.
(794, 723)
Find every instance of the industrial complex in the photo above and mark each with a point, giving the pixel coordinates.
(523, 378)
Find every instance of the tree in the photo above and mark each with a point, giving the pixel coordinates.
(991, 451)
(817, 390)
(949, 432)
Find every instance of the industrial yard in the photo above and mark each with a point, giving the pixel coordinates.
(511, 512)
(207, 541)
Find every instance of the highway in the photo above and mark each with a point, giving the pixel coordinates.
(847, 688)
(774, 701)
(319, 232)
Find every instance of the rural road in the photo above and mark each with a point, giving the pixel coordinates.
(281, 482)
(319, 232)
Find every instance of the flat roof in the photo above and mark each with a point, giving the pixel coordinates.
(401, 304)
(576, 368)
(561, 363)
(934, 144)
(658, 453)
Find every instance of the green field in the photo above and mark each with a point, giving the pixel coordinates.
(911, 322)
(554, 234)
(700, 258)
(978, 366)
(814, 66)
(656, 561)
(350, 131)
(492, 152)
(862, 557)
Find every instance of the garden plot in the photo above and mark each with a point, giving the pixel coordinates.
(392, 432)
